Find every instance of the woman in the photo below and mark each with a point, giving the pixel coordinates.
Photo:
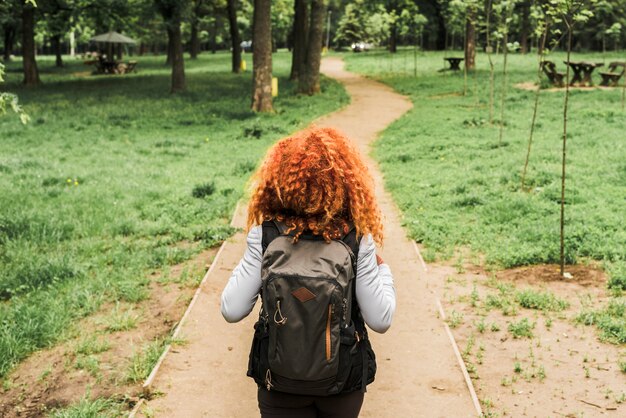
(312, 191)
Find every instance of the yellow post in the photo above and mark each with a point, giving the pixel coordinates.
(242, 65)
(324, 50)
(274, 87)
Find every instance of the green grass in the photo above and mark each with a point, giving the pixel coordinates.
(114, 177)
(457, 187)
(142, 362)
(543, 301)
(610, 320)
(90, 408)
(522, 328)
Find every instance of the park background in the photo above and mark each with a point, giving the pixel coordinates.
(116, 189)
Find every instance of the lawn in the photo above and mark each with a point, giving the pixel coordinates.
(115, 178)
(520, 327)
(457, 187)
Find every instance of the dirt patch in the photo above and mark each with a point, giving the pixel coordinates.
(532, 86)
(582, 276)
(445, 95)
(560, 367)
(96, 360)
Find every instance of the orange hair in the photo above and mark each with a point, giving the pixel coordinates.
(316, 180)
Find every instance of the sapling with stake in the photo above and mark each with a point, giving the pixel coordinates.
(571, 12)
(536, 104)
(507, 11)
(491, 66)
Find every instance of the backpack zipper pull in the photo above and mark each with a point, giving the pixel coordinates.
(268, 380)
(282, 319)
(345, 311)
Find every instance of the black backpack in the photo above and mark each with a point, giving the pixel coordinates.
(310, 338)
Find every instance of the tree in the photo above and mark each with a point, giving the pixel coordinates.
(172, 11)
(10, 15)
(57, 16)
(262, 56)
(361, 23)
(300, 32)
(309, 82)
(194, 41)
(525, 27)
(31, 72)
(470, 37)
(235, 39)
(569, 12)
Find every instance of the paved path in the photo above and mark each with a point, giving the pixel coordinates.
(418, 375)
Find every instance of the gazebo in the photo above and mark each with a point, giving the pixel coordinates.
(109, 65)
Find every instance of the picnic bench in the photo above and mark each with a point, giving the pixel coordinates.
(611, 77)
(555, 77)
(582, 72)
(454, 63)
(112, 67)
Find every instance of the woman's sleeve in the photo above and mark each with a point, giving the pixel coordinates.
(374, 288)
(244, 285)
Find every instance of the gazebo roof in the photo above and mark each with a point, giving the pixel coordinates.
(114, 38)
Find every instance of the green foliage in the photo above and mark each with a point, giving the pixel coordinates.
(610, 320)
(543, 301)
(203, 190)
(617, 273)
(90, 408)
(10, 101)
(363, 23)
(522, 328)
(142, 362)
(133, 155)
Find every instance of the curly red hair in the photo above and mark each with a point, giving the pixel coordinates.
(316, 180)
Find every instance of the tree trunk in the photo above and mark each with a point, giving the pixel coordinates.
(262, 56)
(300, 31)
(170, 46)
(470, 40)
(56, 44)
(442, 32)
(234, 35)
(178, 61)
(214, 37)
(194, 42)
(525, 29)
(309, 83)
(31, 73)
(9, 40)
(393, 38)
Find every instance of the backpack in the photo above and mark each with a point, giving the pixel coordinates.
(310, 338)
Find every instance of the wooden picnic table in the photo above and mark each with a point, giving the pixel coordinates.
(454, 63)
(615, 71)
(582, 72)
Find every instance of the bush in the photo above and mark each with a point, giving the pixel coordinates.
(203, 190)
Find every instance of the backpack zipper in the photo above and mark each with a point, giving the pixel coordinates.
(268, 380)
(328, 347)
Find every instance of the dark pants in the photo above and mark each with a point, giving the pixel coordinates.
(284, 405)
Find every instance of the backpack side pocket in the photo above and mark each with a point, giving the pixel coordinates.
(258, 363)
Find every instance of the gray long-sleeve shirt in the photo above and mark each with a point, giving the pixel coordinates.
(374, 284)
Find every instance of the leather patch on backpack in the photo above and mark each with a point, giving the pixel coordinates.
(303, 294)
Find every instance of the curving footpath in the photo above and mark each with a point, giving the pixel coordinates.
(419, 373)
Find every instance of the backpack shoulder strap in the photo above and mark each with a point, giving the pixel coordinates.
(350, 239)
(271, 230)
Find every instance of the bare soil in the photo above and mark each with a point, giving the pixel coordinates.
(51, 378)
(562, 370)
(532, 86)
